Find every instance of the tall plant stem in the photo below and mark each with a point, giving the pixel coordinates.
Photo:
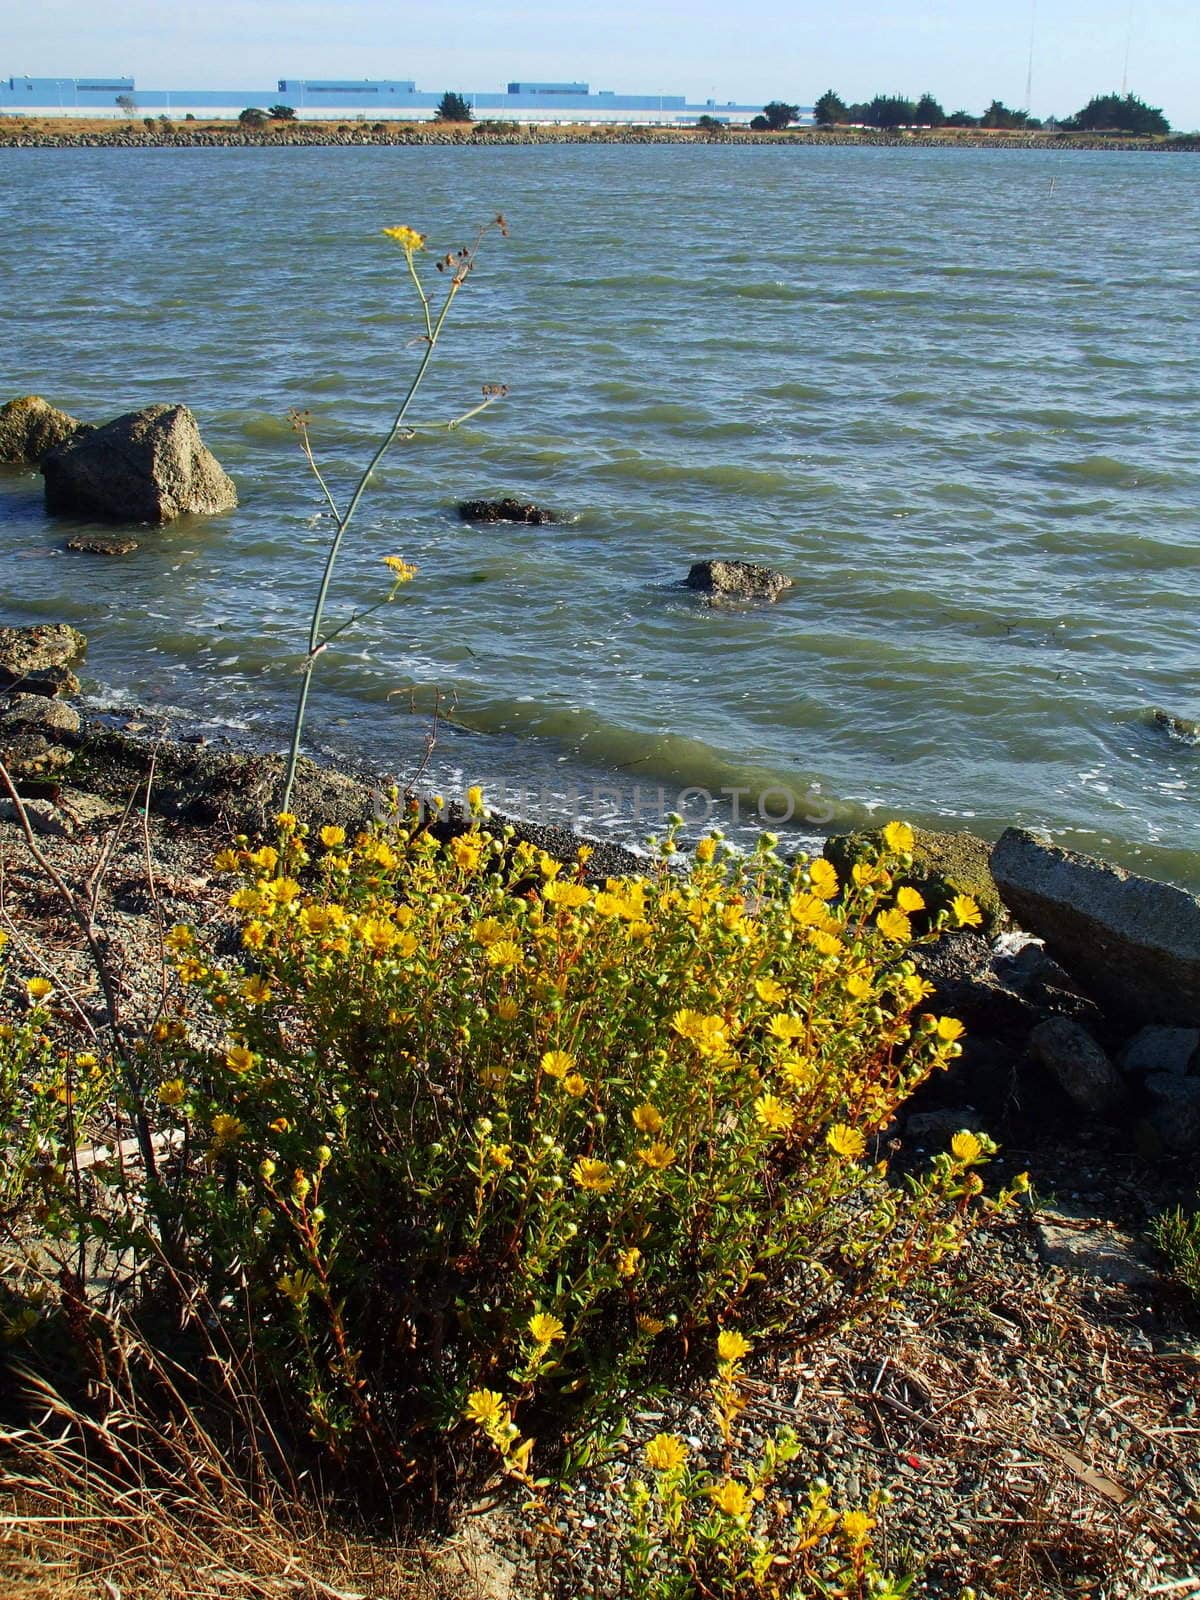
(315, 642)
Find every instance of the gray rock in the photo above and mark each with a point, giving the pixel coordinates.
(508, 509)
(1174, 1050)
(32, 755)
(30, 428)
(1077, 1061)
(30, 657)
(102, 547)
(44, 817)
(1134, 941)
(737, 580)
(940, 1126)
(1174, 1116)
(145, 466)
(35, 713)
(1093, 1248)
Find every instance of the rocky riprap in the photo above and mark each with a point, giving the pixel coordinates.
(38, 730)
(145, 466)
(736, 581)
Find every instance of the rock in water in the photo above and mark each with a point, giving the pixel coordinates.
(30, 657)
(145, 466)
(31, 427)
(737, 580)
(1132, 940)
(508, 509)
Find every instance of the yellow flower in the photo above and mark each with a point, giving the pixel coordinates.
(785, 1027)
(475, 798)
(500, 1156)
(772, 1114)
(466, 853)
(768, 991)
(916, 989)
(557, 1063)
(282, 891)
(250, 901)
(508, 1010)
(627, 1262)
(254, 935)
(545, 1329)
(965, 1147)
(647, 1119)
(484, 1406)
(706, 850)
(826, 944)
(593, 1175)
(731, 1497)
(402, 571)
(3, 938)
(894, 925)
(651, 1325)
(708, 1033)
(504, 953)
(332, 836)
(666, 1452)
(172, 1092)
(570, 895)
(808, 910)
(657, 1156)
(180, 938)
(575, 1085)
(949, 1029)
(225, 861)
(898, 838)
(264, 860)
(856, 1525)
(966, 913)
(823, 879)
(296, 1285)
(731, 1345)
(280, 1125)
(286, 822)
(256, 990)
(408, 239)
(858, 985)
(227, 1129)
(190, 971)
(39, 989)
(909, 899)
(239, 1059)
(846, 1142)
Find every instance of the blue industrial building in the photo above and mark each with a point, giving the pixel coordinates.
(384, 99)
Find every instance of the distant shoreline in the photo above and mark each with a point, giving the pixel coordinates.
(80, 135)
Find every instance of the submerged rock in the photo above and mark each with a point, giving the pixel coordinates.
(31, 427)
(1133, 941)
(102, 547)
(737, 580)
(145, 466)
(1178, 727)
(508, 509)
(38, 659)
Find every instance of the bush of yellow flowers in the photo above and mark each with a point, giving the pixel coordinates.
(482, 1136)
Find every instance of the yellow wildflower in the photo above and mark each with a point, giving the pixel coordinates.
(628, 1261)
(484, 1406)
(965, 1147)
(949, 1029)
(402, 571)
(898, 838)
(826, 944)
(575, 1085)
(475, 798)
(39, 989)
(280, 1125)
(172, 1092)
(666, 1452)
(225, 861)
(772, 1114)
(647, 1118)
(505, 953)
(545, 1329)
(264, 860)
(254, 935)
(296, 1285)
(808, 910)
(508, 1010)
(227, 1129)
(408, 239)
(768, 991)
(708, 1033)
(966, 913)
(557, 1063)
(331, 837)
(731, 1345)
(256, 990)
(239, 1059)
(657, 1156)
(570, 895)
(910, 899)
(282, 891)
(250, 901)
(894, 925)
(500, 1156)
(466, 853)
(846, 1142)
(180, 937)
(286, 822)
(593, 1175)
(785, 1027)
(706, 850)
(651, 1325)
(856, 1525)
(731, 1497)
(858, 985)
(915, 988)
(823, 879)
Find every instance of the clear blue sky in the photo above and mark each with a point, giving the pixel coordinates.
(965, 51)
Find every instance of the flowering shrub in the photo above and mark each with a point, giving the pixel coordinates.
(740, 1532)
(483, 1137)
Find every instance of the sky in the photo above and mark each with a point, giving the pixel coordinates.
(966, 52)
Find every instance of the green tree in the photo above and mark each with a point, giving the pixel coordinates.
(1121, 113)
(709, 124)
(929, 112)
(831, 109)
(253, 117)
(779, 114)
(282, 113)
(891, 111)
(760, 124)
(961, 119)
(998, 115)
(127, 104)
(452, 108)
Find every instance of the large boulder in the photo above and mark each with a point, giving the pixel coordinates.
(1080, 1065)
(507, 509)
(1133, 941)
(737, 580)
(38, 659)
(145, 466)
(31, 427)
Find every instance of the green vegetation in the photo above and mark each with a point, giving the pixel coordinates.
(830, 110)
(1119, 114)
(1177, 1235)
(453, 108)
(253, 117)
(282, 113)
(1106, 113)
(776, 116)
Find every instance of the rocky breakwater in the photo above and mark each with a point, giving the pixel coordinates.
(39, 728)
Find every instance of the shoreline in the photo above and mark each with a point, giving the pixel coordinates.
(43, 135)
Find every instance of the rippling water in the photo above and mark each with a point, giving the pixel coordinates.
(955, 394)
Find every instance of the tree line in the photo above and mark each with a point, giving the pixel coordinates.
(1103, 113)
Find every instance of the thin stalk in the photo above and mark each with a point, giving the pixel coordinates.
(315, 643)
